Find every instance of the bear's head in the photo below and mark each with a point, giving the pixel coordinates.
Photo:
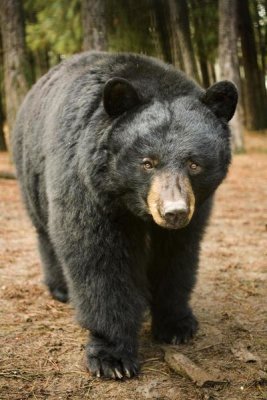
(167, 156)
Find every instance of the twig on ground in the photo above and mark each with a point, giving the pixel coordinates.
(186, 367)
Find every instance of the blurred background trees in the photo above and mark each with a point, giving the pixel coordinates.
(208, 39)
(228, 61)
(14, 59)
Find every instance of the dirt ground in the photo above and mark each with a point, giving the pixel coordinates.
(41, 346)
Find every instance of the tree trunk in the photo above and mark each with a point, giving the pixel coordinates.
(153, 27)
(2, 116)
(180, 17)
(255, 92)
(94, 25)
(2, 136)
(199, 21)
(163, 28)
(14, 56)
(212, 73)
(177, 57)
(260, 36)
(133, 26)
(229, 63)
(41, 61)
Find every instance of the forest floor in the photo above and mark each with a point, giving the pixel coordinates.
(42, 348)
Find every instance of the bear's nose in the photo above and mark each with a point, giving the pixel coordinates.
(175, 212)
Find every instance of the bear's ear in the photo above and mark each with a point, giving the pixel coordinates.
(119, 96)
(222, 98)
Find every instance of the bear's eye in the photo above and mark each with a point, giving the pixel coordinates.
(147, 163)
(194, 167)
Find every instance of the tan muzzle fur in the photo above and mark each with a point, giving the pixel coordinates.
(171, 200)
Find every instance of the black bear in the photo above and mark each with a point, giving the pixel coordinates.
(118, 157)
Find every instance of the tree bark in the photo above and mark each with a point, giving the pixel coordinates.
(255, 92)
(199, 21)
(163, 28)
(180, 18)
(229, 63)
(177, 57)
(212, 73)
(153, 26)
(94, 25)
(2, 136)
(14, 56)
(260, 36)
(2, 116)
(133, 26)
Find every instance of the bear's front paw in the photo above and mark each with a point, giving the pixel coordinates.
(107, 361)
(175, 331)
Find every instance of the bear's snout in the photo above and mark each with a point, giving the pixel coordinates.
(171, 200)
(175, 212)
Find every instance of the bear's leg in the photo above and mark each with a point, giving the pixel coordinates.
(53, 273)
(172, 275)
(101, 261)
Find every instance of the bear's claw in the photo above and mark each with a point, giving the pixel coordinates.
(112, 368)
(108, 362)
(176, 331)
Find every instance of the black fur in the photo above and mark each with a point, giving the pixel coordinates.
(79, 163)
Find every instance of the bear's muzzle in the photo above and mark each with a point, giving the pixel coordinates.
(171, 200)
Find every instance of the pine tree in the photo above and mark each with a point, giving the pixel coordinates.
(255, 97)
(94, 24)
(229, 63)
(14, 57)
